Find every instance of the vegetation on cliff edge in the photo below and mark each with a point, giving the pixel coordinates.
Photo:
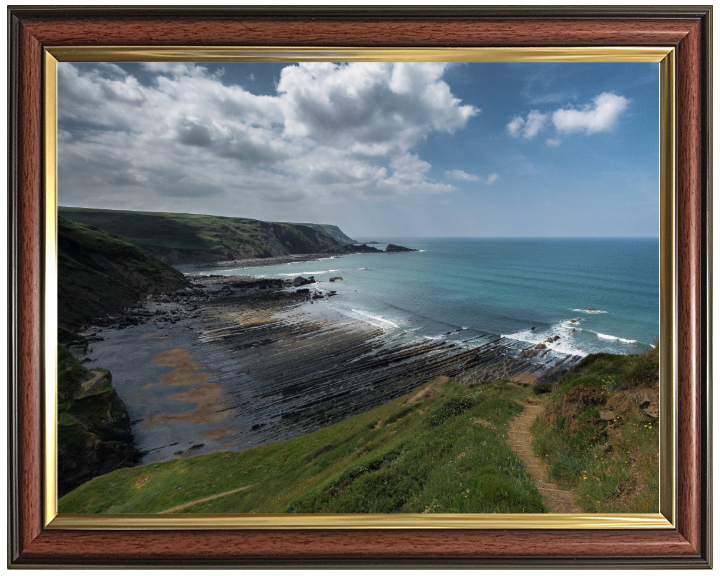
(599, 433)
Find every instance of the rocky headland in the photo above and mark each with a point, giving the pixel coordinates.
(396, 248)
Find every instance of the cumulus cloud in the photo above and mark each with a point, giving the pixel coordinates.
(465, 177)
(330, 131)
(461, 175)
(529, 126)
(600, 116)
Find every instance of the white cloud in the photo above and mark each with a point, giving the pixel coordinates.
(552, 142)
(529, 126)
(515, 126)
(461, 175)
(601, 116)
(464, 176)
(330, 131)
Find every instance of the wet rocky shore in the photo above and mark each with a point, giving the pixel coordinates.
(233, 362)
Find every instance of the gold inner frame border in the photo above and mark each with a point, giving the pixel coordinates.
(664, 519)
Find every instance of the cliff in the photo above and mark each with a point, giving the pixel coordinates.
(196, 238)
(333, 231)
(99, 274)
(94, 435)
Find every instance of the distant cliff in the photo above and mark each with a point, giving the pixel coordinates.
(196, 238)
(333, 231)
(99, 274)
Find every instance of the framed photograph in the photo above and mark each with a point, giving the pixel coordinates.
(298, 287)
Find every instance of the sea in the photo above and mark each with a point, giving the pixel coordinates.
(596, 294)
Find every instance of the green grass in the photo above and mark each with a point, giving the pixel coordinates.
(613, 466)
(204, 232)
(447, 453)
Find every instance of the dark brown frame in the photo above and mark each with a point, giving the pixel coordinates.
(688, 29)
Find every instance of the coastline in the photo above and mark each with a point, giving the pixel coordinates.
(259, 262)
(234, 362)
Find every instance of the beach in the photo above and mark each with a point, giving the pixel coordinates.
(231, 363)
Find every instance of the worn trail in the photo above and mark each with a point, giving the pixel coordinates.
(557, 501)
(213, 497)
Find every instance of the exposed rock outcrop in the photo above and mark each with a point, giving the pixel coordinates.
(94, 435)
(300, 281)
(396, 248)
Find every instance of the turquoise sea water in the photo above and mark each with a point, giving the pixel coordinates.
(500, 287)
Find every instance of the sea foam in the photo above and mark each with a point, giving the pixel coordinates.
(609, 337)
(377, 321)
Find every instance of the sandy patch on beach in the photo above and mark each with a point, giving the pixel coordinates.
(206, 396)
(186, 369)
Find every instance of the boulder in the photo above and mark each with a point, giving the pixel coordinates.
(644, 401)
(652, 412)
(335, 278)
(300, 281)
(540, 346)
(607, 415)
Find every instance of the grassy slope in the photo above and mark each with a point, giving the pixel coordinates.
(444, 453)
(204, 233)
(101, 274)
(612, 465)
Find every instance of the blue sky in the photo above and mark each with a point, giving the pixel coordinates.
(378, 149)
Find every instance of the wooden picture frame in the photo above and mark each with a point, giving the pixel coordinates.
(687, 30)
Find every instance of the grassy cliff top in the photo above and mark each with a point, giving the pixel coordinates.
(441, 448)
(201, 232)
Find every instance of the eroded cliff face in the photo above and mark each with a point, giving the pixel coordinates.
(94, 435)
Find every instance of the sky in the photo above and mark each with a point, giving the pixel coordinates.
(379, 149)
